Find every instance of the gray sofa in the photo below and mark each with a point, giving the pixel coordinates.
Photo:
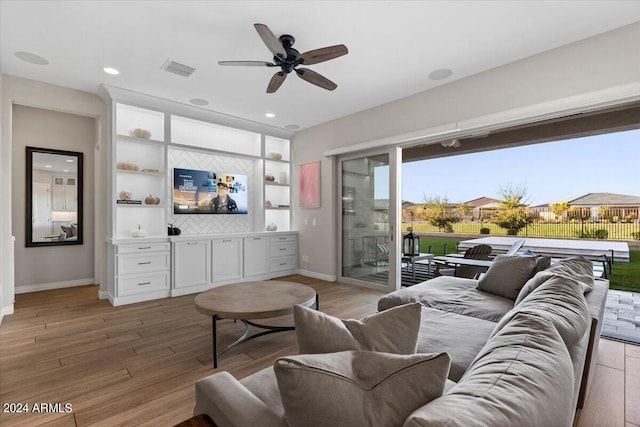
(524, 362)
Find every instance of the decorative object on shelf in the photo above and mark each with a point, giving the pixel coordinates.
(151, 200)
(173, 231)
(267, 204)
(269, 178)
(150, 171)
(125, 195)
(127, 166)
(274, 156)
(138, 232)
(310, 185)
(272, 227)
(140, 133)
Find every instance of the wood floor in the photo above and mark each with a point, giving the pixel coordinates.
(136, 364)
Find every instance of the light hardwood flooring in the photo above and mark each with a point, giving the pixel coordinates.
(136, 364)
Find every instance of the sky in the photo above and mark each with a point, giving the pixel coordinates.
(552, 171)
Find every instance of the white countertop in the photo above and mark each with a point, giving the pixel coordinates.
(191, 237)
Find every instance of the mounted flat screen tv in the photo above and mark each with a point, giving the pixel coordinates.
(209, 192)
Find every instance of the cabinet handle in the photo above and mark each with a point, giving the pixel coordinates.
(283, 249)
(226, 241)
(192, 243)
(146, 247)
(257, 238)
(283, 263)
(143, 263)
(144, 283)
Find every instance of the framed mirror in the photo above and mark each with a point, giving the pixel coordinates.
(53, 197)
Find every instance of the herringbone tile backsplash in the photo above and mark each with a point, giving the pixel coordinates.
(210, 224)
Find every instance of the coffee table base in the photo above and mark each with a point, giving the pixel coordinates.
(245, 336)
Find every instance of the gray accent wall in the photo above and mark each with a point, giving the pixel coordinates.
(41, 128)
(596, 64)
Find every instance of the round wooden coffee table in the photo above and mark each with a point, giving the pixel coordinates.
(253, 300)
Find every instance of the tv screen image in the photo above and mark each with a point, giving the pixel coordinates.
(209, 192)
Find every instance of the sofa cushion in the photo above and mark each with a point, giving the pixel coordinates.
(577, 269)
(522, 377)
(264, 386)
(507, 275)
(562, 302)
(358, 388)
(392, 331)
(462, 337)
(452, 294)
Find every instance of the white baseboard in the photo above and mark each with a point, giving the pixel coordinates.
(53, 285)
(103, 295)
(327, 277)
(5, 311)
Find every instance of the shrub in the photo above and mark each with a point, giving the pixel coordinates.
(448, 228)
(601, 234)
(636, 235)
(512, 232)
(485, 230)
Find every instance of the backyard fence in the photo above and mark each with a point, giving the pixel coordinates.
(588, 223)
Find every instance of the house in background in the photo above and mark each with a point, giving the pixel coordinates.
(596, 207)
(482, 207)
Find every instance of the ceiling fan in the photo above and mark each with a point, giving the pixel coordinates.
(289, 59)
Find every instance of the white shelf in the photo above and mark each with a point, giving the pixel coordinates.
(143, 173)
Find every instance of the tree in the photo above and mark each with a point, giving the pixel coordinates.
(512, 213)
(559, 209)
(436, 212)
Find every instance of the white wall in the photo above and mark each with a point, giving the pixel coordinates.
(51, 266)
(560, 76)
(20, 91)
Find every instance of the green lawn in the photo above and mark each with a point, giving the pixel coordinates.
(625, 276)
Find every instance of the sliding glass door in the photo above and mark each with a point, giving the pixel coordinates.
(368, 216)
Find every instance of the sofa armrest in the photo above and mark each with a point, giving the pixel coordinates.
(229, 404)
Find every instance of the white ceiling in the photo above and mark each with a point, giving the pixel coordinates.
(393, 46)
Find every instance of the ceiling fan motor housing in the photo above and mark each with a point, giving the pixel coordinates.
(287, 64)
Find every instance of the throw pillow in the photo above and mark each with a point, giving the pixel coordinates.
(575, 269)
(358, 388)
(391, 331)
(507, 275)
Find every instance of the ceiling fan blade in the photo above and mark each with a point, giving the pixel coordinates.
(323, 54)
(248, 63)
(316, 79)
(276, 81)
(270, 40)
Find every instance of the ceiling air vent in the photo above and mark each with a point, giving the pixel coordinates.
(178, 68)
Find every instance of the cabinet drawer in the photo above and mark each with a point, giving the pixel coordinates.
(131, 264)
(282, 249)
(280, 239)
(283, 263)
(143, 283)
(143, 247)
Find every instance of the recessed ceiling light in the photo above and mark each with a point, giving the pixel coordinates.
(199, 102)
(31, 58)
(440, 74)
(111, 71)
(65, 170)
(69, 160)
(270, 115)
(47, 166)
(292, 127)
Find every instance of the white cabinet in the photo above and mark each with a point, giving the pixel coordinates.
(256, 256)
(64, 193)
(227, 260)
(191, 264)
(282, 254)
(142, 272)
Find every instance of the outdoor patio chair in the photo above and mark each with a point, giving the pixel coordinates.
(515, 247)
(467, 271)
